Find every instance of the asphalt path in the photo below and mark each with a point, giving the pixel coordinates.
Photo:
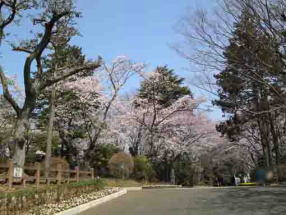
(197, 201)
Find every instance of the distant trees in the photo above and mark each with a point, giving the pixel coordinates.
(75, 109)
(165, 124)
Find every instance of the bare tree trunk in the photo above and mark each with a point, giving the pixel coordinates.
(275, 138)
(50, 132)
(19, 143)
(265, 142)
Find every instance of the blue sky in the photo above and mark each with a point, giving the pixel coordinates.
(142, 30)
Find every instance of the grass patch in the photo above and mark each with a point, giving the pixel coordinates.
(248, 184)
(113, 182)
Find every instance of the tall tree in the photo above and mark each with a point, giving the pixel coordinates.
(75, 99)
(114, 78)
(36, 81)
(246, 86)
(159, 91)
(58, 42)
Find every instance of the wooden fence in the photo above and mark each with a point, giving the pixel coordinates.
(36, 175)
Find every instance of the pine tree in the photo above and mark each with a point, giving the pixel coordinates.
(247, 82)
(164, 86)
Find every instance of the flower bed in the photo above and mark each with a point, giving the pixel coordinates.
(48, 209)
(19, 202)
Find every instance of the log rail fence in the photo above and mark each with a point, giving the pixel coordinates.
(36, 175)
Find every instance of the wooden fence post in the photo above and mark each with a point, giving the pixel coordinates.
(10, 173)
(69, 175)
(59, 173)
(24, 182)
(38, 174)
(77, 173)
(92, 173)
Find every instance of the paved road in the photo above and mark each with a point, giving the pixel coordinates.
(216, 201)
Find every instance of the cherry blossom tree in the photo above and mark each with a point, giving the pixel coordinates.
(77, 101)
(140, 118)
(84, 107)
(181, 131)
(113, 78)
(7, 117)
(7, 114)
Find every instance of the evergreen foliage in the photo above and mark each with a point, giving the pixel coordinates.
(164, 86)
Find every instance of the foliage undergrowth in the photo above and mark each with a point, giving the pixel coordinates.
(121, 165)
(114, 182)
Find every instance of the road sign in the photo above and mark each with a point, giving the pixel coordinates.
(18, 172)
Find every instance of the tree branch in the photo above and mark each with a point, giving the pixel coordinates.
(7, 94)
(22, 49)
(70, 72)
(37, 53)
(11, 17)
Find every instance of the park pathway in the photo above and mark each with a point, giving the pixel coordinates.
(210, 201)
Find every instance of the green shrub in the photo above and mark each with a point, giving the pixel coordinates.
(97, 183)
(184, 173)
(101, 156)
(143, 169)
(121, 165)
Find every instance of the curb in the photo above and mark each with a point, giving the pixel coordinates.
(81, 208)
(162, 186)
(133, 188)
